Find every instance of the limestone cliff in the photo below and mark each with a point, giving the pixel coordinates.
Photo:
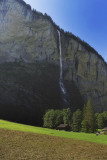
(24, 34)
(88, 71)
(30, 39)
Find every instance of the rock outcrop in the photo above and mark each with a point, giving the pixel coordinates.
(88, 71)
(29, 39)
(24, 34)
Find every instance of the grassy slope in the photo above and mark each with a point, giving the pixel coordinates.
(102, 139)
(16, 145)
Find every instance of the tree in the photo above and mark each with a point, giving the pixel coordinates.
(105, 118)
(96, 119)
(67, 116)
(49, 119)
(84, 110)
(77, 118)
(58, 117)
(84, 126)
(89, 118)
(100, 121)
(52, 118)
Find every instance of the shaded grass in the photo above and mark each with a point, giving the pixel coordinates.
(15, 145)
(102, 139)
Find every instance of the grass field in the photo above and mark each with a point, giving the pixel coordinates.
(18, 143)
(102, 139)
(15, 145)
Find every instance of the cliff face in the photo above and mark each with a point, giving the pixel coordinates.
(28, 36)
(88, 71)
(23, 34)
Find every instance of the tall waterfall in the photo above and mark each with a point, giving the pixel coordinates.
(62, 87)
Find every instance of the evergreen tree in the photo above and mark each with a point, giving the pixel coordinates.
(77, 118)
(67, 116)
(84, 126)
(84, 110)
(105, 118)
(96, 119)
(100, 121)
(89, 118)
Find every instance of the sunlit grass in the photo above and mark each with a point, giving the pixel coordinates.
(74, 135)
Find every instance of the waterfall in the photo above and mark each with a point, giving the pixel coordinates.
(63, 90)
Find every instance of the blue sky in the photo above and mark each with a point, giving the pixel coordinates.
(86, 19)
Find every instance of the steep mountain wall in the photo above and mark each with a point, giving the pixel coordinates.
(28, 36)
(24, 35)
(88, 71)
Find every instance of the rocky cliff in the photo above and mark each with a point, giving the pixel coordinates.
(29, 65)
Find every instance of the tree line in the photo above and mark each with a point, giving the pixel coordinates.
(79, 121)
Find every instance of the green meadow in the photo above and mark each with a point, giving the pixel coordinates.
(102, 139)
